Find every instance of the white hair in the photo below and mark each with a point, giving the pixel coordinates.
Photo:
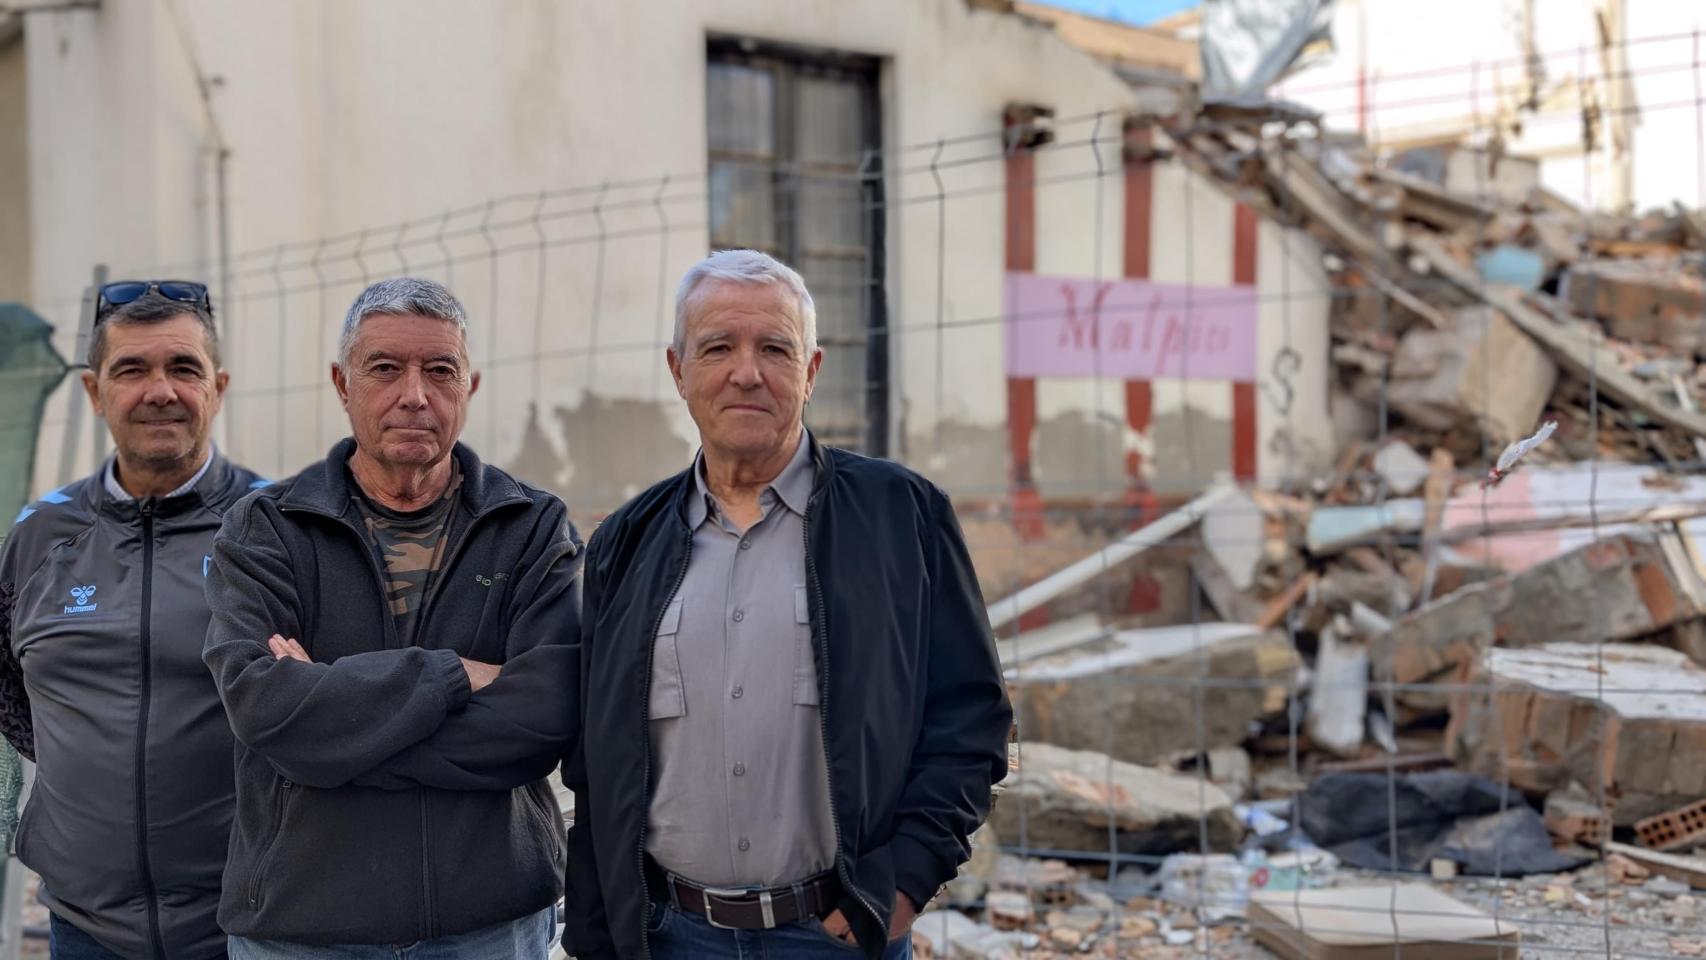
(401, 296)
(750, 267)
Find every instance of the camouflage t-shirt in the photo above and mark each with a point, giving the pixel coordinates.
(412, 547)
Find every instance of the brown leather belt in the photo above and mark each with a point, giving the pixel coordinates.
(747, 909)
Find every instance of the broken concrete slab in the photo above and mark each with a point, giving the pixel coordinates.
(1401, 467)
(1630, 719)
(1483, 375)
(1134, 695)
(1338, 694)
(1640, 300)
(1066, 800)
(1615, 589)
(1234, 532)
(1620, 588)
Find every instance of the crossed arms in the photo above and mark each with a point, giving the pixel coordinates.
(400, 718)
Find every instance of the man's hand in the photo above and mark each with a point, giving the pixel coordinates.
(480, 675)
(836, 926)
(900, 925)
(287, 649)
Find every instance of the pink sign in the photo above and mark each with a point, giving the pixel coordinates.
(1129, 329)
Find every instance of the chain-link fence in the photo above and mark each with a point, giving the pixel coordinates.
(1215, 393)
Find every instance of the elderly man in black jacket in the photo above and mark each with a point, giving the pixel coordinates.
(393, 632)
(792, 707)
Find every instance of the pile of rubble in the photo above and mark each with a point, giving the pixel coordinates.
(1547, 624)
(1048, 908)
(1414, 665)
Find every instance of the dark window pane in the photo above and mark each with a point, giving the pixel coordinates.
(838, 290)
(838, 401)
(789, 134)
(831, 214)
(741, 110)
(743, 209)
(831, 117)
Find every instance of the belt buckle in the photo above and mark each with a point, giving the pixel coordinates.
(766, 906)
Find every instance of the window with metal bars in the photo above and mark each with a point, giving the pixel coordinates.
(796, 171)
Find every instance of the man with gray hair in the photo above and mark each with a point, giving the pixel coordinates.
(393, 631)
(802, 630)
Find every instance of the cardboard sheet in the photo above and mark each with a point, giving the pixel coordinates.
(1362, 923)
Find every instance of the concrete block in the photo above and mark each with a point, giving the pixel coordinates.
(1642, 301)
(1617, 589)
(1067, 799)
(1134, 695)
(1630, 718)
(1486, 373)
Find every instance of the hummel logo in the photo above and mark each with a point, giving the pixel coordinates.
(82, 596)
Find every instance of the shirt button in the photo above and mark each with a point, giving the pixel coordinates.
(744, 844)
(740, 615)
(746, 544)
(738, 692)
(740, 769)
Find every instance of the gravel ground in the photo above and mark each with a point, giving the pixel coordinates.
(1559, 916)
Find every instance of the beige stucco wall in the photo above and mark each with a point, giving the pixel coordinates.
(345, 117)
(14, 175)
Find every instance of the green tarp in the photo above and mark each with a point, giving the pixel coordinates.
(30, 370)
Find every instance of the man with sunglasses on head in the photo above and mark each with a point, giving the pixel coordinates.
(102, 619)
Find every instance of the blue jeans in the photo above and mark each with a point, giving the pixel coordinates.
(676, 935)
(68, 942)
(528, 938)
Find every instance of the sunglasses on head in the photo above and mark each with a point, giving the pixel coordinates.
(115, 295)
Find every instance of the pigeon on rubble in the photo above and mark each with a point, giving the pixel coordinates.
(1516, 451)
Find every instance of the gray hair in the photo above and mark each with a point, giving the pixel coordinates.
(151, 308)
(401, 296)
(749, 267)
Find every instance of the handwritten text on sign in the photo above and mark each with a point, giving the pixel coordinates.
(1129, 329)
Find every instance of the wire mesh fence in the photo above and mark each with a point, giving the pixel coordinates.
(1272, 643)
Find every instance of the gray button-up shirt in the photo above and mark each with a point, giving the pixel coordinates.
(741, 788)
